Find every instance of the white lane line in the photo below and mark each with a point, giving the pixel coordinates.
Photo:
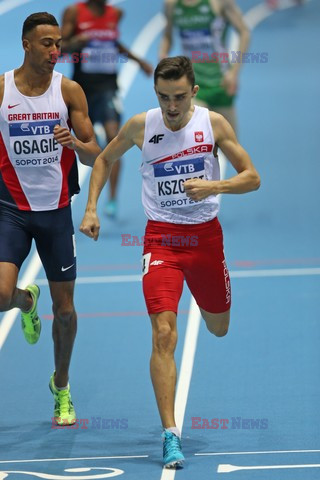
(167, 474)
(188, 354)
(127, 76)
(266, 452)
(226, 468)
(10, 316)
(280, 272)
(36, 460)
(101, 280)
(190, 343)
(140, 48)
(189, 351)
(8, 5)
(72, 459)
(113, 472)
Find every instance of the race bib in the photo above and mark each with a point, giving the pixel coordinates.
(196, 40)
(169, 180)
(100, 57)
(33, 144)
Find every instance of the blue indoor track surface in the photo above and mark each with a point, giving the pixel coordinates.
(261, 381)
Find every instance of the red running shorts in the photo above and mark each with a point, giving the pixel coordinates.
(174, 252)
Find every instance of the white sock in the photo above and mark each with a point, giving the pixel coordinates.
(174, 430)
(61, 388)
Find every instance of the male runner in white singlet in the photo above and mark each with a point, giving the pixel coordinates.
(183, 238)
(38, 176)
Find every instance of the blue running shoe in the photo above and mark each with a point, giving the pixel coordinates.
(172, 454)
(111, 209)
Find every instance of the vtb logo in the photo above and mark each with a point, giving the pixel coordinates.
(156, 138)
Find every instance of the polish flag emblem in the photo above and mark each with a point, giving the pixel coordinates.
(198, 136)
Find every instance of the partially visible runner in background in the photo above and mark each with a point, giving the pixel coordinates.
(203, 26)
(90, 29)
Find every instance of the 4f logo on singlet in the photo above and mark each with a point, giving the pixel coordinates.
(156, 138)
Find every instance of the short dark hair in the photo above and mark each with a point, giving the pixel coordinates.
(173, 68)
(39, 18)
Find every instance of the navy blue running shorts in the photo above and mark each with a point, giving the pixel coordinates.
(104, 106)
(53, 234)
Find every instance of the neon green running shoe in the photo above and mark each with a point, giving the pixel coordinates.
(30, 322)
(64, 412)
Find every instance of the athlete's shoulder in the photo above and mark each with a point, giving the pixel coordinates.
(133, 130)
(72, 8)
(71, 90)
(220, 126)
(169, 5)
(118, 12)
(228, 8)
(218, 6)
(138, 121)
(216, 119)
(227, 3)
(71, 12)
(70, 86)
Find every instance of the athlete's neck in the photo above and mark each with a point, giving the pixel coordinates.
(96, 7)
(190, 3)
(215, 5)
(175, 126)
(31, 83)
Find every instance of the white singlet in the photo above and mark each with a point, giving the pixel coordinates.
(169, 158)
(36, 172)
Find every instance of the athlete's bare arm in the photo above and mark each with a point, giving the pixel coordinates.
(84, 141)
(70, 41)
(166, 41)
(132, 133)
(232, 14)
(146, 67)
(247, 178)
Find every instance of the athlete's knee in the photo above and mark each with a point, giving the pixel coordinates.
(218, 329)
(64, 314)
(164, 337)
(218, 323)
